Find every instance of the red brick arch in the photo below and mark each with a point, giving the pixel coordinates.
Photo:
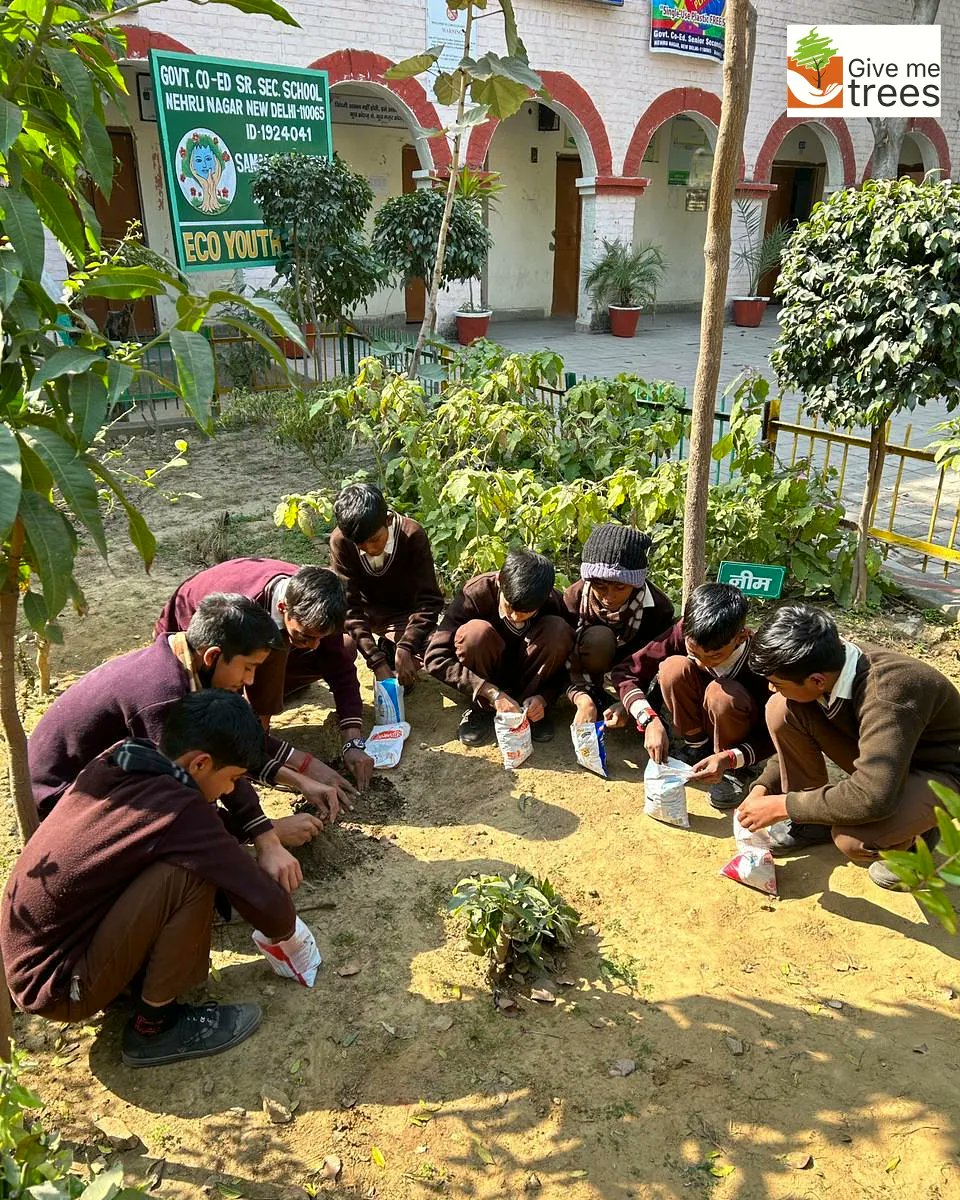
(364, 66)
(141, 41)
(570, 96)
(782, 126)
(664, 108)
(938, 139)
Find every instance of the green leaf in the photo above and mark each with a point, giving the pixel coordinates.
(98, 154)
(266, 8)
(196, 374)
(70, 360)
(415, 65)
(22, 225)
(11, 122)
(484, 1154)
(119, 377)
(10, 275)
(74, 79)
(948, 797)
(10, 483)
(892, 1165)
(50, 546)
(447, 88)
(140, 536)
(376, 1154)
(502, 96)
(59, 216)
(258, 336)
(72, 476)
(35, 610)
(515, 47)
(88, 405)
(105, 1186)
(125, 283)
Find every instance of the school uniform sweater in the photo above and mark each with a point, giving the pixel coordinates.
(127, 697)
(479, 600)
(284, 670)
(904, 716)
(401, 591)
(633, 677)
(111, 825)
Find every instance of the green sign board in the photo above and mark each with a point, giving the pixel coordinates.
(217, 119)
(753, 579)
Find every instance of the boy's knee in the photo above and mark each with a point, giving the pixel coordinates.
(676, 670)
(851, 846)
(596, 649)
(555, 636)
(724, 695)
(475, 638)
(775, 713)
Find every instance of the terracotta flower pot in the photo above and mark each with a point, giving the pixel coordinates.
(292, 350)
(748, 310)
(472, 325)
(623, 321)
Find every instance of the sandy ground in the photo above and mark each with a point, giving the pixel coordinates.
(808, 1043)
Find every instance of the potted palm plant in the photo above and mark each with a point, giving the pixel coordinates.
(625, 278)
(757, 254)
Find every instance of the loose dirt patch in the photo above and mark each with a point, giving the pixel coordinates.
(810, 1043)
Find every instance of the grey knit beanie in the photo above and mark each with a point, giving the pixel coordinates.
(616, 553)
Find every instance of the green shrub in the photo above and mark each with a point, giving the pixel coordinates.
(303, 421)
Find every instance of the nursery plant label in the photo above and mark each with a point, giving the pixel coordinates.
(217, 119)
(753, 579)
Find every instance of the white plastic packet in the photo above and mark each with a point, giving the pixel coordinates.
(385, 744)
(387, 701)
(753, 863)
(665, 793)
(513, 738)
(296, 958)
(589, 747)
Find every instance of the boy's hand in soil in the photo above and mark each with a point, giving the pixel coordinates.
(710, 769)
(323, 797)
(536, 708)
(298, 828)
(360, 766)
(278, 863)
(406, 667)
(760, 810)
(312, 771)
(586, 713)
(616, 717)
(656, 741)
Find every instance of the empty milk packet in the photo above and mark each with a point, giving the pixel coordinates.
(296, 958)
(588, 745)
(387, 701)
(385, 744)
(513, 737)
(753, 863)
(665, 793)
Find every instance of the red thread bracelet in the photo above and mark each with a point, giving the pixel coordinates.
(308, 759)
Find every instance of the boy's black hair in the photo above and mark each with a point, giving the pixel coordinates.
(235, 623)
(796, 642)
(526, 580)
(221, 724)
(714, 614)
(315, 597)
(361, 511)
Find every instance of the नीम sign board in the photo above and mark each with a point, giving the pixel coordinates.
(218, 118)
(753, 579)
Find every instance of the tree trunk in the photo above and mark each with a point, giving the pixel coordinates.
(889, 132)
(43, 665)
(429, 323)
(741, 23)
(878, 449)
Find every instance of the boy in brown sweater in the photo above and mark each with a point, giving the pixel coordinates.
(386, 565)
(118, 890)
(504, 643)
(891, 722)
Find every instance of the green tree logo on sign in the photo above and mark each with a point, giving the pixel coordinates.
(814, 73)
(814, 52)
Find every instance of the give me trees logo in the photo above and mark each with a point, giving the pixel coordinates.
(814, 73)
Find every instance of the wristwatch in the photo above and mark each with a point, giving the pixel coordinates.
(355, 744)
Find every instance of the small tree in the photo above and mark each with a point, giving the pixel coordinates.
(870, 323)
(815, 51)
(919, 872)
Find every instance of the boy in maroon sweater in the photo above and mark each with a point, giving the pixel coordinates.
(308, 606)
(714, 701)
(504, 643)
(119, 890)
(393, 599)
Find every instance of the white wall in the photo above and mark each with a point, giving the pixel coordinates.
(812, 151)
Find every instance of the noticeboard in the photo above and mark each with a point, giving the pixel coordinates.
(217, 119)
(753, 579)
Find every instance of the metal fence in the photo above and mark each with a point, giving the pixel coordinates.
(918, 504)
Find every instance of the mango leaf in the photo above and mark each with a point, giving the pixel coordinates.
(119, 377)
(98, 154)
(74, 79)
(88, 405)
(948, 797)
(35, 610)
(70, 360)
(267, 310)
(140, 536)
(59, 216)
(415, 65)
(11, 122)
(10, 484)
(258, 336)
(22, 225)
(502, 96)
(124, 283)
(10, 275)
(105, 1186)
(50, 546)
(266, 8)
(196, 374)
(72, 476)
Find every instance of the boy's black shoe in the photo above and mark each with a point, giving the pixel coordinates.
(542, 730)
(888, 879)
(199, 1031)
(476, 727)
(797, 837)
(688, 754)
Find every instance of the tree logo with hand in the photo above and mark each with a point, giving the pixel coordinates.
(814, 73)
(206, 171)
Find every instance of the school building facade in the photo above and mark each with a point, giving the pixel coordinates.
(621, 148)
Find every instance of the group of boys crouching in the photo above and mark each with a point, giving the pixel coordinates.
(141, 770)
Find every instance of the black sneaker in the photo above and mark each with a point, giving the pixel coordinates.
(798, 837)
(688, 754)
(889, 880)
(542, 730)
(199, 1031)
(476, 727)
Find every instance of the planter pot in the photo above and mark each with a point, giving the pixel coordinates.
(623, 321)
(748, 310)
(292, 350)
(472, 325)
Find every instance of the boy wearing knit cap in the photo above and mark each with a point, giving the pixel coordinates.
(616, 612)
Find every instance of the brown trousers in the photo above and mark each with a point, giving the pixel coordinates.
(524, 666)
(700, 706)
(160, 927)
(594, 654)
(802, 735)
